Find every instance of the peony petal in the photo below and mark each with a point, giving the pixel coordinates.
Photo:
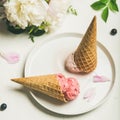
(11, 58)
(89, 94)
(98, 78)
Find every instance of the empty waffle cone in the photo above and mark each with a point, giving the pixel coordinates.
(47, 84)
(85, 56)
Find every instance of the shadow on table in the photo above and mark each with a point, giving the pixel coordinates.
(3, 28)
(34, 97)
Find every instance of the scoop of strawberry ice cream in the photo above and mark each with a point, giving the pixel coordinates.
(69, 86)
(70, 64)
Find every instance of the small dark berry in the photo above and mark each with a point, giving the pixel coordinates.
(3, 106)
(113, 31)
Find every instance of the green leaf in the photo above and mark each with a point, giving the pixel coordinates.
(31, 37)
(113, 1)
(14, 29)
(105, 14)
(71, 10)
(47, 1)
(98, 5)
(104, 1)
(113, 6)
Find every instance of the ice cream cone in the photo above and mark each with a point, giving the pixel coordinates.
(85, 57)
(47, 84)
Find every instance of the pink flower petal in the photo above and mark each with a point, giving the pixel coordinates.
(11, 58)
(98, 78)
(89, 94)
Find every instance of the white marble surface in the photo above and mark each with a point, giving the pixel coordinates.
(20, 104)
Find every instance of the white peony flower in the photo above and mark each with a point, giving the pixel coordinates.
(56, 12)
(34, 12)
(33, 16)
(26, 12)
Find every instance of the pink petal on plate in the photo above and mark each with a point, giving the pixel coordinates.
(98, 78)
(89, 94)
(11, 58)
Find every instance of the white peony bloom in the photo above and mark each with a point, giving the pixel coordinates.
(56, 12)
(26, 12)
(35, 12)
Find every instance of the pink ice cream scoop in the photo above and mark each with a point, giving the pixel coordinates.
(70, 64)
(69, 86)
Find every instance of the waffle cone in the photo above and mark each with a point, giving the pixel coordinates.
(46, 84)
(85, 56)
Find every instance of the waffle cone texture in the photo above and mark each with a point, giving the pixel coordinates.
(46, 84)
(85, 56)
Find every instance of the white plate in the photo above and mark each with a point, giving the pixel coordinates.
(49, 57)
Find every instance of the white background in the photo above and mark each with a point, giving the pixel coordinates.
(20, 104)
